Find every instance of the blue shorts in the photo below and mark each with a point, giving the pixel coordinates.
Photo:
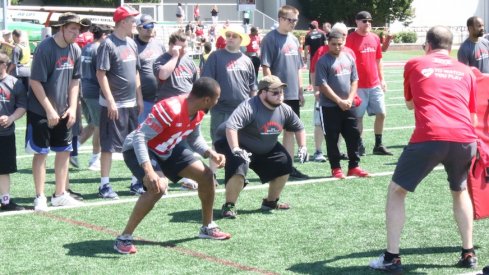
(40, 138)
(373, 102)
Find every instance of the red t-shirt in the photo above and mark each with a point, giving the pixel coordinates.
(322, 51)
(254, 45)
(367, 49)
(482, 129)
(220, 42)
(443, 91)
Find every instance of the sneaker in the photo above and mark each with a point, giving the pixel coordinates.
(75, 195)
(64, 200)
(297, 174)
(124, 244)
(381, 150)
(485, 270)
(41, 203)
(271, 205)
(11, 206)
(337, 173)
(357, 172)
(94, 166)
(137, 188)
(106, 192)
(392, 266)
(228, 210)
(74, 161)
(188, 184)
(468, 260)
(361, 150)
(344, 156)
(212, 231)
(318, 157)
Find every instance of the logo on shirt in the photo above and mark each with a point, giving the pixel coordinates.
(443, 73)
(368, 49)
(427, 72)
(4, 95)
(481, 54)
(236, 65)
(271, 128)
(127, 54)
(290, 49)
(149, 54)
(64, 63)
(182, 71)
(342, 69)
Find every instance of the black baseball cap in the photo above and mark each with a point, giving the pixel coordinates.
(363, 15)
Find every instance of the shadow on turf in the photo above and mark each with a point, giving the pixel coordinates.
(321, 267)
(195, 216)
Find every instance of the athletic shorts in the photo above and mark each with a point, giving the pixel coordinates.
(217, 118)
(40, 138)
(373, 102)
(8, 161)
(91, 111)
(114, 132)
(179, 159)
(295, 105)
(418, 160)
(267, 166)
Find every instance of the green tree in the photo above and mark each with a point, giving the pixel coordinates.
(383, 11)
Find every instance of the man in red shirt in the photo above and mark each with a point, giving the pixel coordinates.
(371, 85)
(442, 92)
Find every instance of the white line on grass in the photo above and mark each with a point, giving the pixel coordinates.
(194, 193)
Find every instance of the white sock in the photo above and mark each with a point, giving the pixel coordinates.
(104, 181)
(134, 180)
(6, 198)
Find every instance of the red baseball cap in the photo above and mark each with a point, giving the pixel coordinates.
(124, 11)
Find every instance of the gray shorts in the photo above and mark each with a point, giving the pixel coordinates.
(217, 118)
(113, 132)
(91, 110)
(418, 160)
(373, 102)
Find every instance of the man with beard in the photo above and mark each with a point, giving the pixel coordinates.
(249, 139)
(475, 49)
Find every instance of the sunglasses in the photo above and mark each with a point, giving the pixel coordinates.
(149, 26)
(233, 35)
(276, 92)
(291, 20)
(365, 21)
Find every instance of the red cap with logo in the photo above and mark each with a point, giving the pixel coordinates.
(124, 11)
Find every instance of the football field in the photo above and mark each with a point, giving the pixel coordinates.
(333, 227)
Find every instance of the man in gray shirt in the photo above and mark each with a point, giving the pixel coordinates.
(337, 79)
(121, 99)
(474, 51)
(280, 56)
(249, 139)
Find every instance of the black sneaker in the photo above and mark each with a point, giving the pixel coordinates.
(297, 174)
(77, 196)
(11, 206)
(381, 150)
(361, 149)
(468, 260)
(267, 205)
(228, 211)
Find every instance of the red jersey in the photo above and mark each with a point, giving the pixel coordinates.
(322, 51)
(84, 38)
(220, 42)
(173, 125)
(367, 50)
(482, 104)
(254, 45)
(443, 91)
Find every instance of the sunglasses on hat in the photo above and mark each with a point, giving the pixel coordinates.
(149, 26)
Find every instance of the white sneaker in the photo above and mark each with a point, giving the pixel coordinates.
(188, 184)
(41, 204)
(64, 200)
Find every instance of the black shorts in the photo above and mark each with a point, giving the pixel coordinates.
(114, 132)
(295, 105)
(267, 166)
(418, 160)
(40, 138)
(180, 158)
(8, 161)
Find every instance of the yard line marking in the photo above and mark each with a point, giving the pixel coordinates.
(194, 193)
(169, 245)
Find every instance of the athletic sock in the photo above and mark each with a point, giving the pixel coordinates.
(378, 140)
(6, 198)
(388, 257)
(470, 250)
(104, 181)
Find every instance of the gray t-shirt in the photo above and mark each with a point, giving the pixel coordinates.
(259, 127)
(55, 68)
(338, 73)
(119, 58)
(280, 53)
(148, 53)
(475, 54)
(181, 79)
(235, 74)
(89, 82)
(13, 95)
